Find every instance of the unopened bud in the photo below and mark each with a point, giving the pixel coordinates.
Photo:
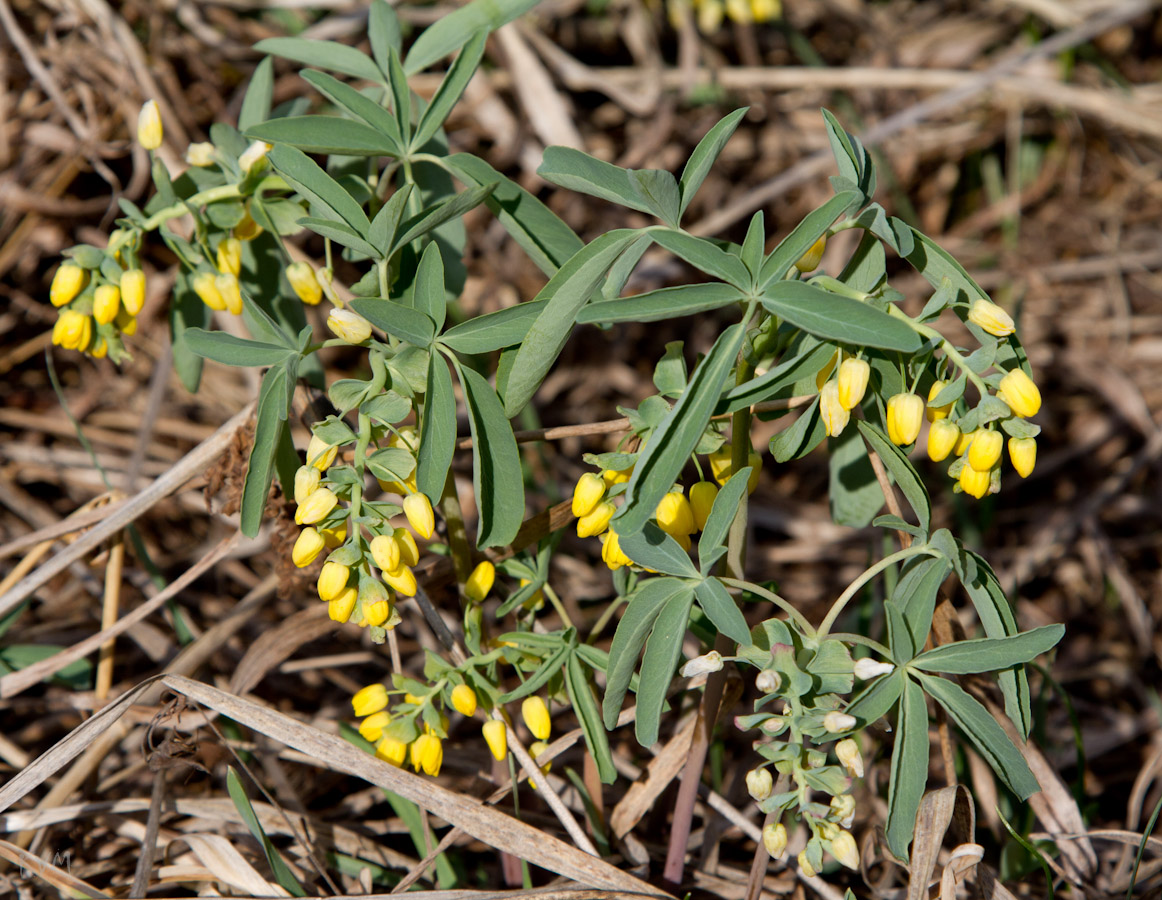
(253, 154)
(868, 668)
(480, 582)
(849, 757)
(759, 783)
(464, 700)
(836, 722)
(990, 317)
(844, 850)
(149, 130)
(775, 839)
(768, 681)
(703, 665)
(349, 326)
(536, 716)
(201, 154)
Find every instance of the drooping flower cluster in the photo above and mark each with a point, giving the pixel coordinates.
(709, 14)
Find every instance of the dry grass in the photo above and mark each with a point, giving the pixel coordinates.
(1036, 162)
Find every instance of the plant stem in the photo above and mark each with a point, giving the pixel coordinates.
(950, 351)
(853, 588)
(558, 606)
(785, 605)
(210, 195)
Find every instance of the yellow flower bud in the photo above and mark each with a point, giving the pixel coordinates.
(125, 323)
(247, 229)
(833, 413)
(536, 716)
(756, 467)
(810, 260)
(943, 437)
(480, 582)
(674, 515)
(702, 496)
(932, 413)
(987, 315)
(905, 413)
(412, 700)
(369, 699)
(536, 749)
(253, 155)
(304, 283)
(385, 552)
(227, 285)
(133, 291)
(464, 700)
(206, 288)
(230, 256)
(1020, 393)
(1023, 453)
(765, 10)
(403, 580)
(720, 463)
(597, 521)
(317, 507)
(320, 454)
(348, 326)
(201, 154)
(307, 480)
(709, 16)
(334, 536)
(307, 547)
(496, 736)
(149, 130)
(587, 494)
(847, 751)
(738, 11)
(73, 330)
(332, 580)
(759, 783)
(611, 552)
(973, 482)
(853, 378)
(340, 609)
(844, 850)
(106, 303)
(805, 864)
(616, 476)
(985, 449)
(428, 754)
(409, 553)
(100, 348)
(843, 808)
(775, 839)
(962, 444)
(391, 750)
(418, 509)
(377, 611)
(371, 728)
(69, 280)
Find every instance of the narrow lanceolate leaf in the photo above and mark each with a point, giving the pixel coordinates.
(494, 330)
(578, 171)
(496, 472)
(452, 31)
(357, 104)
(256, 103)
(640, 613)
(906, 477)
(234, 351)
(722, 610)
(341, 233)
(564, 296)
(658, 189)
(437, 429)
(663, 648)
(909, 768)
(324, 54)
(282, 872)
(990, 654)
(876, 699)
(383, 32)
(985, 733)
(450, 89)
(401, 97)
(384, 226)
(702, 159)
(704, 255)
(435, 216)
(935, 263)
(836, 318)
(270, 419)
(653, 548)
(404, 322)
(779, 261)
(546, 670)
(916, 594)
(662, 304)
(722, 513)
(429, 293)
(589, 716)
(801, 366)
(675, 439)
(325, 194)
(325, 134)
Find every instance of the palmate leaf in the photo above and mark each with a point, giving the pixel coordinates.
(438, 429)
(494, 330)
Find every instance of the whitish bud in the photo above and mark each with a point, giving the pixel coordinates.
(836, 722)
(759, 783)
(775, 839)
(868, 668)
(702, 665)
(253, 154)
(990, 317)
(768, 681)
(201, 154)
(844, 850)
(847, 751)
(349, 326)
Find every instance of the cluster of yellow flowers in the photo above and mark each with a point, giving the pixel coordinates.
(709, 14)
(95, 307)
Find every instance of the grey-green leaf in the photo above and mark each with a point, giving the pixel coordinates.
(494, 330)
(578, 171)
(429, 294)
(438, 429)
(909, 772)
(450, 89)
(358, 105)
(658, 190)
(722, 610)
(788, 251)
(270, 419)
(653, 548)
(278, 866)
(702, 159)
(589, 717)
(722, 513)
(325, 134)
(324, 54)
(663, 648)
(326, 194)
(662, 304)
(234, 351)
(836, 318)
(704, 255)
(256, 103)
(383, 32)
(990, 654)
(450, 32)
(431, 218)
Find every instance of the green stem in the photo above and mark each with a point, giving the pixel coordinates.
(949, 351)
(866, 641)
(558, 605)
(210, 195)
(600, 624)
(853, 588)
(807, 628)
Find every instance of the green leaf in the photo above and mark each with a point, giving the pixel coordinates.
(496, 471)
(429, 293)
(385, 225)
(877, 698)
(391, 464)
(670, 373)
(540, 677)
(547, 241)
(358, 105)
(578, 171)
(702, 159)
(411, 325)
(450, 89)
(662, 304)
(853, 490)
(438, 432)
(866, 270)
(663, 648)
(324, 192)
(675, 439)
(800, 438)
(643, 608)
(835, 318)
(589, 717)
(281, 871)
(751, 253)
(909, 771)
(341, 233)
(899, 635)
(916, 594)
(493, 330)
(434, 216)
(564, 296)
(705, 256)
(985, 733)
(990, 654)
(270, 419)
(799, 366)
(901, 470)
(935, 264)
(658, 190)
(325, 134)
(653, 548)
(324, 54)
(401, 97)
(453, 30)
(804, 235)
(722, 610)
(620, 271)
(234, 351)
(187, 311)
(722, 513)
(383, 32)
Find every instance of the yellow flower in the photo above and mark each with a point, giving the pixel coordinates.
(371, 728)
(824, 374)
(480, 582)
(973, 482)
(133, 291)
(427, 754)
(587, 494)
(720, 463)
(597, 521)
(985, 449)
(369, 699)
(341, 607)
(332, 580)
(853, 378)
(611, 552)
(69, 280)
(987, 315)
(307, 547)
(334, 536)
(756, 466)
(391, 750)
(962, 444)
(775, 839)
(536, 716)
(317, 507)
(149, 130)
(206, 288)
(1020, 393)
(496, 736)
(409, 553)
(385, 552)
(304, 283)
(201, 154)
(227, 285)
(247, 229)
(759, 783)
(418, 509)
(805, 864)
(230, 256)
(709, 16)
(932, 413)
(377, 610)
(464, 700)
(402, 579)
(943, 437)
(765, 10)
(847, 752)
(100, 348)
(320, 454)
(106, 303)
(73, 330)
(844, 850)
(810, 260)
(1023, 453)
(674, 515)
(307, 480)
(349, 326)
(253, 155)
(905, 413)
(536, 749)
(616, 476)
(702, 496)
(834, 414)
